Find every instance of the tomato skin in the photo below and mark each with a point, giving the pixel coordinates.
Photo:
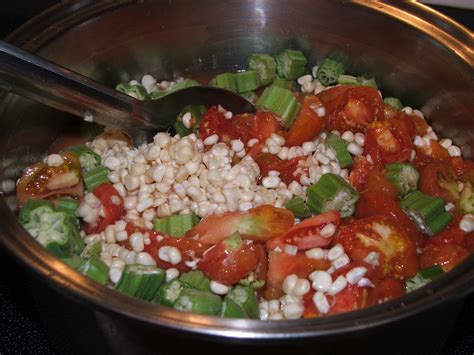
(40, 181)
(397, 253)
(351, 108)
(377, 182)
(390, 141)
(260, 223)
(452, 234)
(280, 265)
(385, 290)
(263, 125)
(359, 174)
(421, 126)
(213, 122)
(189, 248)
(307, 124)
(439, 180)
(372, 203)
(446, 256)
(306, 235)
(107, 194)
(229, 265)
(460, 166)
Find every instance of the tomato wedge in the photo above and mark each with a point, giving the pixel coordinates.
(446, 256)
(280, 265)
(261, 223)
(373, 203)
(390, 140)
(40, 180)
(230, 261)
(307, 234)
(112, 204)
(397, 253)
(377, 182)
(307, 124)
(351, 108)
(359, 174)
(439, 180)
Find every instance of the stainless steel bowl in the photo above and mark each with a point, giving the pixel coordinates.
(415, 53)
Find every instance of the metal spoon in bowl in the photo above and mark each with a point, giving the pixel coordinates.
(38, 79)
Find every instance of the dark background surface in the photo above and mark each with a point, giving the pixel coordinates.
(20, 328)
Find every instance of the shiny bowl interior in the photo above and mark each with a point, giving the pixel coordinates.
(416, 54)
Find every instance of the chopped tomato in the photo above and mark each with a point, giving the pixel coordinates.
(432, 151)
(421, 126)
(214, 122)
(351, 108)
(263, 125)
(377, 182)
(397, 253)
(228, 262)
(307, 124)
(360, 173)
(389, 111)
(280, 265)
(261, 223)
(112, 204)
(268, 162)
(40, 180)
(307, 234)
(390, 141)
(439, 180)
(190, 249)
(452, 234)
(386, 290)
(460, 165)
(447, 256)
(372, 203)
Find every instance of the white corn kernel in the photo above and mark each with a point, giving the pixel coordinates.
(315, 253)
(454, 151)
(359, 138)
(302, 287)
(144, 258)
(341, 261)
(290, 249)
(211, 140)
(293, 310)
(136, 242)
(322, 280)
(328, 230)
(55, 160)
(321, 302)
(171, 274)
(348, 136)
(467, 223)
(354, 275)
(354, 149)
(338, 285)
(170, 254)
(289, 284)
(218, 288)
(335, 252)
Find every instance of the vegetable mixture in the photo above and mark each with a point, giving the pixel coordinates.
(329, 199)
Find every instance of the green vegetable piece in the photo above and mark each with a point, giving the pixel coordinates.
(394, 102)
(423, 277)
(176, 226)
(249, 96)
(245, 296)
(403, 175)
(68, 205)
(169, 292)
(224, 81)
(252, 281)
(181, 129)
(332, 193)
(186, 83)
(87, 157)
(95, 177)
(196, 112)
(197, 280)
(283, 83)
(141, 281)
(247, 81)
(298, 207)
(196, 301)
(347, 80)
(265, 65)
(466, 200)
(368, 82)
(329, 71)
(93, 249)
(291, 64)
(123, 87)
(157, 94)
(50, 228)
(74, 261)
(138, 92)
(25, 213)
(339, 145)
(95, 269)
(428, 212)
(281, 102)
(231, 309)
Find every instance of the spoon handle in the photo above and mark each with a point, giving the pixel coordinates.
(40, 80)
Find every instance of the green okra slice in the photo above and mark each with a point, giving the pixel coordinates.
(231, 309)
(195, 301)
(332, 193)
(95, 269)
(265, 65)
(245, 297)
(169, 292)
(247, 81)
(298, 207)
(197, 280)
(403, 175)
(339, 146)
(281, 102)
(291, 64)
(141, 281)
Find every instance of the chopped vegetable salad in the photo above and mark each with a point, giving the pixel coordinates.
(329, 199)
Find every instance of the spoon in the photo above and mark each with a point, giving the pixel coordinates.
(40, 80)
